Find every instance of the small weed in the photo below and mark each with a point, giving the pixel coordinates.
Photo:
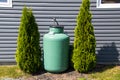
(81, 79)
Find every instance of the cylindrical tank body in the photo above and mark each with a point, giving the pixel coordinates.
(56, 47)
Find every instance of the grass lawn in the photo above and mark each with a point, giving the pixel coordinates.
(104, 73)
(11, 72)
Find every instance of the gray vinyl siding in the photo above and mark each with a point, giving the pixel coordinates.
(106, 23)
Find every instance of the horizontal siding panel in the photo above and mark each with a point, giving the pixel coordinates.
(107, 31)
(108, 35)
(108, 38)
(7, 49)
(107, 42)
(9, 34)
(106, 16)
(107, 28)
(51, 19)
(9, 12)
(113, 57)
(7, 56)
(108, 61)
(57, 16)
(8, 45)
(10, 16)
(106, 20)
(8, 42)
(114, 52)
(9, 20)
(74, 20)
(105, 12)
(9, 27)
(51, 1)
(107, 50)
(99, 35)
(107, 45)
(106, 23)
(7, 61)
(61, 23)
(44, 4)
(8, 53)
(56, 12)
(104, 9)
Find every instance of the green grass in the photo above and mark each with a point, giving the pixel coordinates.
(11, 72)
(107, 73)
(81, 79)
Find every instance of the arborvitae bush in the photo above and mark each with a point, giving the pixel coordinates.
(84, 57)
(28, 53)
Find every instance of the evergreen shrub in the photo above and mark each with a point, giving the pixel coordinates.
(28, 53)
(84, 57)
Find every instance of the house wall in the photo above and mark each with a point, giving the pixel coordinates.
(106, 23)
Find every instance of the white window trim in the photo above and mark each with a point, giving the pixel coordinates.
(107, 5)
(6, 4)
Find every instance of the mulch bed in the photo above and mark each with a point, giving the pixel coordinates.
(70, 74)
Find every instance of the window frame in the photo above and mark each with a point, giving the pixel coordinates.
(107, 5)
(6, 4)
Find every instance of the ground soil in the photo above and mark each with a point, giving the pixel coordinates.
(70, 74)
(67, 75)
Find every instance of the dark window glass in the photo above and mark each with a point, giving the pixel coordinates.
(110, 1)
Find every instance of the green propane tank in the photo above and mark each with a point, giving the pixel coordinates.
(56, 48)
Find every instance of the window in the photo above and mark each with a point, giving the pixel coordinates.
(108, 3)
(5, 3)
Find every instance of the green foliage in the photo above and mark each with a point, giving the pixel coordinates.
(84, 58)
(28, 53)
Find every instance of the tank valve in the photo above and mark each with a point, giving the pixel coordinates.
(55, 22)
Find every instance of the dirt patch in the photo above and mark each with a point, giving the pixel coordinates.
(68, 75)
